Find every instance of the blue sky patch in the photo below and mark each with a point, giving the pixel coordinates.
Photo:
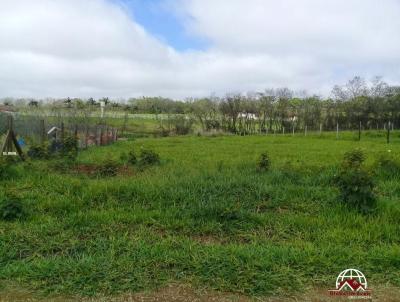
(162, 23)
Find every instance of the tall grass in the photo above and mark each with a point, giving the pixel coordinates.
(205, 215)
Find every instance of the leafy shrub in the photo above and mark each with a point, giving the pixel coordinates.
(353, 159)
(356, 184)
(148, 158)
(264, 162)
(70, 146)
(38, 151)
(357, 189)
(212, 124)
(182, 125)
(11, 209)
(108, 169)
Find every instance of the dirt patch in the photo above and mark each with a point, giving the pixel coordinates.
(93, 170)
(90, 170)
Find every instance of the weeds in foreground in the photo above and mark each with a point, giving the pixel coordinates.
(11, 208)
(6, 169)
(108, 169)
(355, 182)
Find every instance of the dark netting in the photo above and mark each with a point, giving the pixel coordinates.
(36, 129)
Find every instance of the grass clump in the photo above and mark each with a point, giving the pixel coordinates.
(39, 151)
(131, 158)
(353, 159)
(264, 162)
(6, 170)
(355, 183)
(108, 169)
(70, 147)
(148, 158)
(388, 164)
(11, 208)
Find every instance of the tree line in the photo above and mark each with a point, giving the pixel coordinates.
(358, 103)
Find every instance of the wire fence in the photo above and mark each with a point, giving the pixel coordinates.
(31, 130)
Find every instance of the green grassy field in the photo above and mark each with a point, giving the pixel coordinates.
(205, 216)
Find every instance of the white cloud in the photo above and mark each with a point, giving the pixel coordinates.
(93, 48)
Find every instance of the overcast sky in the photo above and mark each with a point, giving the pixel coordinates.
(182, 48)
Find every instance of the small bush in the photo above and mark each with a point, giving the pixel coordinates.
(148, 158)
(264, 162)
(357, 189)
(70, 147)
(356, 184)
(11, 209)
(108, 169)
(38, 152)
(353, 159)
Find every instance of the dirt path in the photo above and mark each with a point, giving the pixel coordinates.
(181, 293)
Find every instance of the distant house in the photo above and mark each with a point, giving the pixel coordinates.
(248, 116)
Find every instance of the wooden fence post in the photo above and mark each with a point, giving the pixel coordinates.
(62, 132)
(101, 136)
(86, 135)
(11, 140)
(337, 130)
(42, 132)
(98, 139)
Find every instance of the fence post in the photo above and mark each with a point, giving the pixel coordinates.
(86, 135)
(388, 134)
(337, 130)
(359, 131)
(320, 129)
(42, 131)
(98, 139)
(114, 135)
(11, 140)
(101, 136)
(305, 130)
(62, 132)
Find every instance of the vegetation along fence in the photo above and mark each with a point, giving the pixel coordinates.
(30, 130)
